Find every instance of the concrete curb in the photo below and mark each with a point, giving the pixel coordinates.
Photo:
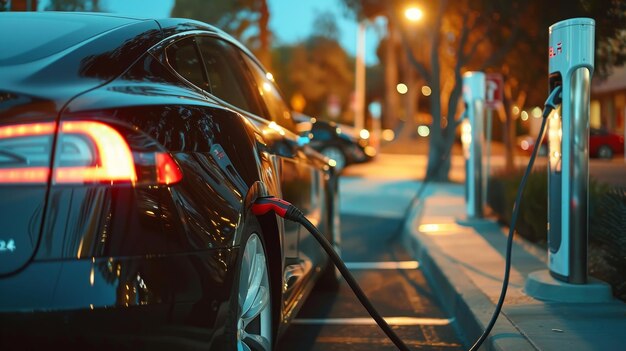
(458, 294)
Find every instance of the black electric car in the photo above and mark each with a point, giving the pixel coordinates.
(131, 151)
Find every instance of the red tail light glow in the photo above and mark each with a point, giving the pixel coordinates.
(24, 175)
(167, 170)
(24, 130)
(115, 161)
(87, 152)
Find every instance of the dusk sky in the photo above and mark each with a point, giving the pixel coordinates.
(291, 21)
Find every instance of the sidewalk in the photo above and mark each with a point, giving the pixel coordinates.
(464, 261)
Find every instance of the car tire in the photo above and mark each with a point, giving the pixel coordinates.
(336, 154)
(249, 325)
(605, 152)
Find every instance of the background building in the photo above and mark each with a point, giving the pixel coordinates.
(608, 102)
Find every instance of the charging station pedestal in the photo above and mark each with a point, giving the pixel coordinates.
(474, 97)
(571, 60)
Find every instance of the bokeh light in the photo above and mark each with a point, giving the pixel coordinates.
(524, 116)
(402, 88)
(388, 135)
(423, 131)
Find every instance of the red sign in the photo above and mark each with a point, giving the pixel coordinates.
(494, 90)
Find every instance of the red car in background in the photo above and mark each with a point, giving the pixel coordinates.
(602, 144)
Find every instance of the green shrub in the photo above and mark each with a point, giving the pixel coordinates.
(533, 217)
(607, 237)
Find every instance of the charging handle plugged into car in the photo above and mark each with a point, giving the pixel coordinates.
(284, 209)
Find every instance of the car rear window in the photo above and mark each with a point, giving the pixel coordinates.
(184, 58)
(36, 37)
(225, 75)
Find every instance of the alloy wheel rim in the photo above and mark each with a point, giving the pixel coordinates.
(254, 322)
(605, 152)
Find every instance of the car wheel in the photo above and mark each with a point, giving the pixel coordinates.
(336, 154)
(253, 312)
(605, 152)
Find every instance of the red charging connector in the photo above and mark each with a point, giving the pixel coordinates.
(270, 203)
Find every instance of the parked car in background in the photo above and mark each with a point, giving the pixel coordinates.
(602, 144)
(338, 142)
(131, 151)
(605, 144)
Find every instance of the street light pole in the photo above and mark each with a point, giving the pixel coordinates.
(413, 15)
(359, 89)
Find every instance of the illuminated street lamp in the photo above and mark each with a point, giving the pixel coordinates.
(413, 13)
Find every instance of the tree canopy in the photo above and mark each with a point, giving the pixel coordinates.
(317, 69)
(246, 20)
(510, 37)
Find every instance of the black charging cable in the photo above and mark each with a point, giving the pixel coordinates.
(553, 100)
(286, 210)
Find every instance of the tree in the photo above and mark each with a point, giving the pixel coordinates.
(317, 69)
(246, 20)
(321, 70)
(482, 35)
(325, 25)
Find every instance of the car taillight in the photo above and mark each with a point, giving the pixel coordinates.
(92, 152)
(25, 152)
(87, 152)
(167, 170)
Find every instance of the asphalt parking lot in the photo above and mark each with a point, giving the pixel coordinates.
(387, 273)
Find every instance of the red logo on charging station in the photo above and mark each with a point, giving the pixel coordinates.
(552, 52)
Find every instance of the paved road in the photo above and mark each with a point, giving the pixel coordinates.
(372, 212)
